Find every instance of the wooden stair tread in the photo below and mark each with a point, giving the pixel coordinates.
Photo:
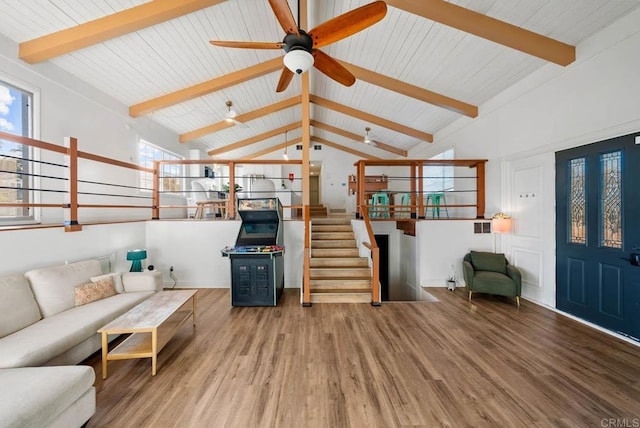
(333, 243)
(332, 235)
(332, 228)
(340, 297)
(333, 262)
(334, 252)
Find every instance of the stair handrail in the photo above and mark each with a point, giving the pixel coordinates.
(306, 280)
(372, 245)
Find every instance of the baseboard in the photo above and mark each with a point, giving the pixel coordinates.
(587, 323)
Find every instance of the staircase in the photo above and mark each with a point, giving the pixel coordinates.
(337, 273)
(318, 211)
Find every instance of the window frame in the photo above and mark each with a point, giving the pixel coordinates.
(445, 174)
(33, 154)
(145, 179)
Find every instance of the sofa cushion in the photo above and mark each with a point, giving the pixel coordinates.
(491, 262)
(142, 281)
(40, 342)
(117, 280)
(92, 291)
(36, 396)
(18, 308)
(54, 287)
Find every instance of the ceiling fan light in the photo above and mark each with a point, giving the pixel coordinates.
(298, 61)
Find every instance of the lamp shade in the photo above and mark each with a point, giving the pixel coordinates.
(501, 223)
(136, 257)
(298, 60)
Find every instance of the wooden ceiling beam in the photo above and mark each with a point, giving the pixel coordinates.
(490, 28)
(409, 90)
(254, 139)
(344, 148)
(245, 117)
(359, 114)
(356, 137)
(105, 28)
(205, 88)
(274, 148)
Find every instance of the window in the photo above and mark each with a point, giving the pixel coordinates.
(16, 169)
(436, 178)
(170, 175)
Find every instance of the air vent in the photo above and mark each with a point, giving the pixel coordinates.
(298, 146)
(317, 147)
(484, 227)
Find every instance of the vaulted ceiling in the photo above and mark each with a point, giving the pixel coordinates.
(427, 63)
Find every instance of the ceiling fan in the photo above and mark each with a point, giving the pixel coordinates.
(301, 47)
(367, 139)
(231, 115)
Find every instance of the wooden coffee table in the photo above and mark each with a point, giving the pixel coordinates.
(152, 324)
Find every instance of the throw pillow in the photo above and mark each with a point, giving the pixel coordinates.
(491, 262)
(117, 280)
(92, 291)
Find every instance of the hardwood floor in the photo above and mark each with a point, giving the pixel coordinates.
(451, 363)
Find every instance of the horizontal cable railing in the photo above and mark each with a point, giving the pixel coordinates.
(412, 193)
(68, 188)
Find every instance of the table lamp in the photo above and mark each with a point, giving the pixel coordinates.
(500, 223)
(136, 257)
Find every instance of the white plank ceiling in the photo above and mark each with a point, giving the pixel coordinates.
(176, 54)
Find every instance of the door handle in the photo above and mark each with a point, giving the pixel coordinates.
(634, 259)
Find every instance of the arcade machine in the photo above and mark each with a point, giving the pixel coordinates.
(257, 262)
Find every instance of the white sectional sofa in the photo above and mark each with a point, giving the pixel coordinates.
(40, 325)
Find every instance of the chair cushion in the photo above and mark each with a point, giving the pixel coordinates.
(18, 308)
(494, 283)
(491, 262)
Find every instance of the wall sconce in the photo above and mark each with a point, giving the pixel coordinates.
(136, 257)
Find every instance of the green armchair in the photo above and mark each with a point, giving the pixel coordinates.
(491, 273)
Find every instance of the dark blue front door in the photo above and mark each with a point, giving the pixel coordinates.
(598, 233)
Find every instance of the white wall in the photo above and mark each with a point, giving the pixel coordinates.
(193, 248)
(23, 250)
(555, 108)
(71, 108)
(442, 243)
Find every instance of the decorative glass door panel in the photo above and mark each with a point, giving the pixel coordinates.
(598, 233)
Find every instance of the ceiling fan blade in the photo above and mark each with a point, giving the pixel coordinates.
(247, 45)
(283, 13)
(285, 79)
(239, 124)
(332, 68)
(348, 23)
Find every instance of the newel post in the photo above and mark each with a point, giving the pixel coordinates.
(71, 196)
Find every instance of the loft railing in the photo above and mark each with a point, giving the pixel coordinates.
(67, 187)
(409, 179)
(375, 264)
(232, 179)
(306, 278)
